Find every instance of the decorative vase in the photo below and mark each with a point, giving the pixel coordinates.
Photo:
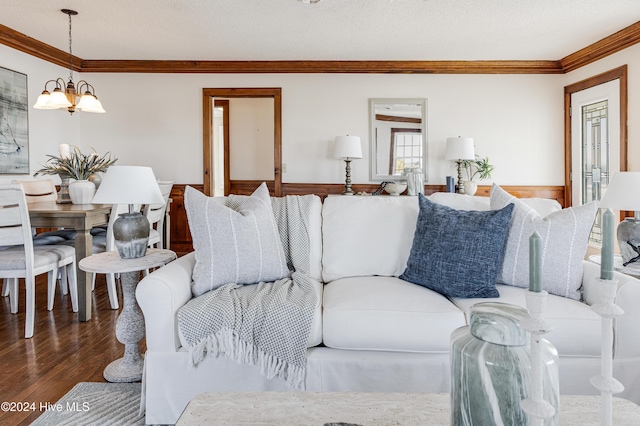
(96, 179)
(415, 182)
(491, 368)
(470, 187)
(63, 195)
(131, 235)
(81, 191)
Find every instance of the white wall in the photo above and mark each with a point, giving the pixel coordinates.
(251, 138)
(630, 57)
(47, 129)
(156, 120)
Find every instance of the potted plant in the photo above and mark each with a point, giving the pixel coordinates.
(83, 168)
(479, 167)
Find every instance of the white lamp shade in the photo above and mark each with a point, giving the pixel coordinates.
(459, 149)
(128, 185)
(347, 147)
(623, 192)
(59, 100)
(44, 101)
(86, 101)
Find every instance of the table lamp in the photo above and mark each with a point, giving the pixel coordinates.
(347, 148)
(623, 193)
(129, 185)
(459, 149)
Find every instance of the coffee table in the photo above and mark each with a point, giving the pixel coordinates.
(407, 409)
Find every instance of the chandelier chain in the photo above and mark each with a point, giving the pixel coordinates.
(70, 53)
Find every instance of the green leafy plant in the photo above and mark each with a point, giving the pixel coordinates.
(479, 167)
(77, 165)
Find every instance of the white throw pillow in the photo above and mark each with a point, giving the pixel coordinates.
(236, 242)
(565, 235)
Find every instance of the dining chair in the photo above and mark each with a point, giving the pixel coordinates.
(21, 259)
(156, 214)
(36, 190)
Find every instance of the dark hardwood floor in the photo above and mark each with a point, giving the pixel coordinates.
(62, 352)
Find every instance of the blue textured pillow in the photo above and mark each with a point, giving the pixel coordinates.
(458, 253)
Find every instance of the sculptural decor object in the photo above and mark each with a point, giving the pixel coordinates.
(490, 368)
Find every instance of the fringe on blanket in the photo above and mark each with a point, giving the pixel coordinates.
(227, 342)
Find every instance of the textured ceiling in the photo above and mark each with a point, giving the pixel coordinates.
(328, 30)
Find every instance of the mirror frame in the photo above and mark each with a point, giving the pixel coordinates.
(373, 154)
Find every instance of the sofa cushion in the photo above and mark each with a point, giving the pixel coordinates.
(544, 206)
(234, 243)
(366, 235)
(460, 201)
(565, 235)
(387, 314)
(457, 253)
(576, 328)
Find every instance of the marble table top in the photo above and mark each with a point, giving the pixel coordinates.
(110, 262)
(407, 409)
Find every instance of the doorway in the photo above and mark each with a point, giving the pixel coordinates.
(246, 159)
(595, 138)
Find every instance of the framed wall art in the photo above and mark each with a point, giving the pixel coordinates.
(14, 123)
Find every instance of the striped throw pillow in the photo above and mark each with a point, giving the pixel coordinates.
(565, 235)
(236, 240)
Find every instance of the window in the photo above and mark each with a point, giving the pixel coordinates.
(406, 150)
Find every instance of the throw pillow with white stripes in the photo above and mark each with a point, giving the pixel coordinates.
(565, 235)
(236, 241)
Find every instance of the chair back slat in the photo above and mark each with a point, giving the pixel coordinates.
(38, 190)
(11, 237)
(15, 227)
(155, 212)
(10, 215)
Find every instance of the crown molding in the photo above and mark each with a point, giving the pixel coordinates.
(326, 67)
(600, 49)
(33, 47)
(621, 40)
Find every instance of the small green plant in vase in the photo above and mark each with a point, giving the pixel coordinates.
(83, 168)
(76, 165)
(479, 167)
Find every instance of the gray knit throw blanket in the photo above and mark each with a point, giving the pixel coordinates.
(266, 324)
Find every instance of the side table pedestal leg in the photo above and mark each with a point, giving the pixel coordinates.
(129, 331)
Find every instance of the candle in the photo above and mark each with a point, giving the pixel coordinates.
(535, 263)
(606, 259)
(64, 150)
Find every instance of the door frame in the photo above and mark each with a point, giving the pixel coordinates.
(224, 104)
(207, 134)
(617, 73)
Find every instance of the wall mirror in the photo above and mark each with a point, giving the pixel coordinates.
(398, 138)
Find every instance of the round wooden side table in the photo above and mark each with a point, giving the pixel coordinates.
(130, 323)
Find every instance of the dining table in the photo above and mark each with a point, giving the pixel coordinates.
(81, 217)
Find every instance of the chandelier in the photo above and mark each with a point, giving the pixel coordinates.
(66, 96)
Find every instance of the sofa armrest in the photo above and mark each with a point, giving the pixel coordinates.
(625, 327)
(160, 295)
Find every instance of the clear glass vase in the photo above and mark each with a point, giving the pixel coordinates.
(491, 368)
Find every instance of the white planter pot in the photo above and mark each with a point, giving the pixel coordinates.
(470, 187)
(81, 191)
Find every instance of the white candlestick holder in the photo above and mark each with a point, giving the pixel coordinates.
(535, 406)
(605, 383)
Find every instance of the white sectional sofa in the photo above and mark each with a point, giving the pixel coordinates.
(373, 331)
